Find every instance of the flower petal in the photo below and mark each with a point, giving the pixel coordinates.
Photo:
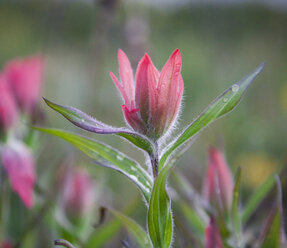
(26, 79)
(8, 108)
(19, 165)
(219, 182)
(126, 74)
(133, 119)
(212, 236)
(146, 77)
(167, 91)
(120, 88)
(175, 104)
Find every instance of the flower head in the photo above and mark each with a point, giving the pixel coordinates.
(219, 183)
(152, 101)
(20, 167)
(77, 192)
(212, 235)
(8, 108)
(26, 77)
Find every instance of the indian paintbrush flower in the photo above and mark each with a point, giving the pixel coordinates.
(152, 101)
(8, 108)
(25, 77)
(219, 183)
(212, 235)
(20, 167)
(77, 192)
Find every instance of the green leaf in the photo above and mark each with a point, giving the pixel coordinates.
(273, 228)
(159, 214)
(256, 198)
(107, 156)
(219, 107)
(273, 235)
(134, 229)
(86, 122)
(103, 234)
(193, 218)
(235, 212)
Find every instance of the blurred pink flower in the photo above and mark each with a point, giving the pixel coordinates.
(77, 192)
(8, 108)
(212, 236)
(218, 185)
(26, 78)
(19, 165)
(6, 244)
(152, 102)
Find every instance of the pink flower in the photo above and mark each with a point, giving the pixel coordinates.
(212, 236)
(152, 102)
(218, 185)
(6, 244)
(77, 192)
(19, 165)
(26, 78)
(8, 108)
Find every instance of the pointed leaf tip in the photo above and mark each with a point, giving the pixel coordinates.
(88, 123)
(222, 105)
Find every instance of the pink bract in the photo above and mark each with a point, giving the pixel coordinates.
(19, 165)
(219, 183)
(212, 236)
(152, 101)
(77, 192)
(8, 107)
(26, 78)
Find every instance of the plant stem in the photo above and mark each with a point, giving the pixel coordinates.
(64, 243)
(154, 162)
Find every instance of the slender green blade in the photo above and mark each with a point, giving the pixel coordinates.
(193, 218)
(257, 197)
(235, 211)
(159, 214)
(273, 229)
(86, 122)
(219, 107)
(134, 229)
(103, 234)
(107, 156)
(273, 236)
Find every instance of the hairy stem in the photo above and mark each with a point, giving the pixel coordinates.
(154, 162)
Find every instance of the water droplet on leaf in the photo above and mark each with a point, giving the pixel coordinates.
(120, 157)
(235, 87)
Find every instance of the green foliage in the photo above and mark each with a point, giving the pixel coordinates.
(273, 229)
(107, 156)
(134, 229)
(160, 224)
(223, 104)
(257, 197)
(235, 211)
(84, 121)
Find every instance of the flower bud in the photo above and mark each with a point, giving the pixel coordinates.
(77, 192)
(219, 184)
(212, 236)
(20, 167)
(6, 244)
(26, 78)
(152, 102)
(8, 108)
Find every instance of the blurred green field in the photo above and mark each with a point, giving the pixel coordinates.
(219, 45)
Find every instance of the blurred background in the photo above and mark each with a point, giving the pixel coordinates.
(220, 41)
